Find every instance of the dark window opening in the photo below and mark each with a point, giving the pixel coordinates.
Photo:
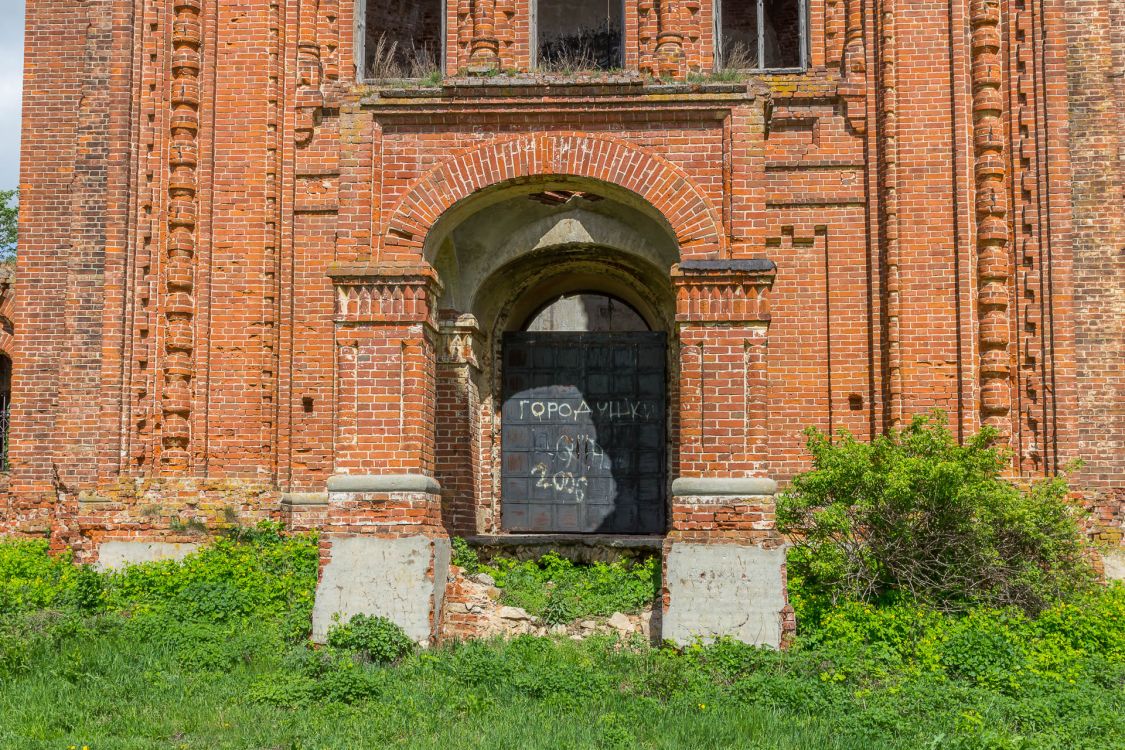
(5, 407)
(762, 35)
(578, 35)
(403, 38)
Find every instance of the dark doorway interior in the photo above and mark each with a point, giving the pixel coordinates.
(584, 421)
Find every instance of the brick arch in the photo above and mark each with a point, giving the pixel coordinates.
(7, 315)
(663, 185)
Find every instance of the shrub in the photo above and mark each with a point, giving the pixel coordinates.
(914, 515)
(31, 579)
(270, 578)
(559, 591)
(375, 638)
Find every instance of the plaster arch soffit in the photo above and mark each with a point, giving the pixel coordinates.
(662, 185)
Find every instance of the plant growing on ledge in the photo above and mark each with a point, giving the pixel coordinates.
(9, 224)
(914, 515)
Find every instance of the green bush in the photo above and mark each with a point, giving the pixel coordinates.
(309, 676)
(140, 663)
(31, 579)
(1003, 650)
(376, 639)
(913, 515)
(560, 591)
(270, 579)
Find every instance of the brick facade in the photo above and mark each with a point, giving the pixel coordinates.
(245, 275)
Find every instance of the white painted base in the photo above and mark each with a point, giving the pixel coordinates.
(1114, 565)
(718, 590)
(113, 555)
(401, 579)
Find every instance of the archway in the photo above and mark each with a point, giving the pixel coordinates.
(566, 292)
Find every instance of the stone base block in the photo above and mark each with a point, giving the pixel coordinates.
(112, 555)
(1114, 565)
(401, 578)
(731, 590)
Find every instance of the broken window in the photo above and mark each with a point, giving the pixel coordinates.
(403, 38)
(579, 34)
(5, 407)
(762, 35)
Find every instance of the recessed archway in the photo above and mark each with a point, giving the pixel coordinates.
(502, 262)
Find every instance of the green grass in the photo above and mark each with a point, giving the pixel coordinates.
(208, 653)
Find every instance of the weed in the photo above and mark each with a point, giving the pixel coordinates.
(375, 639)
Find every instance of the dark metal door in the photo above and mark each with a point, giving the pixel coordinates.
(583, 432)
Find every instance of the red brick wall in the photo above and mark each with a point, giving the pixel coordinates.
(1096, 62)
(227, 240)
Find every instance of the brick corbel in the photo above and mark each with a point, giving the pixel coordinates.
(381, 293)
(723, 291)
(461, 342)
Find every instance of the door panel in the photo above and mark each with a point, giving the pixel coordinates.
(584, 432)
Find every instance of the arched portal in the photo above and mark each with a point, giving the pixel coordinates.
(562, 422)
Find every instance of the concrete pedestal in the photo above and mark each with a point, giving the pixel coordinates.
(724, 590)
(402, 579)
(383, 553)
(724, 563)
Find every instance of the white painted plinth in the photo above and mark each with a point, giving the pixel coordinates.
(402, 579)
(114, 555)
(718, 590)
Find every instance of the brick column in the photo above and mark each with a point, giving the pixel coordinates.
(724, 564)
(457, 421)
(383, 548)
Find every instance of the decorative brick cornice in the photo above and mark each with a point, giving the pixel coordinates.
(721, 291)
(385, 293)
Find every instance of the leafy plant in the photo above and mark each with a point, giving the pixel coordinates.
(30, 578)
(913, 515)
(151, 664)
(376, 639)
(9, 224)
(558, 590)
(464, 556)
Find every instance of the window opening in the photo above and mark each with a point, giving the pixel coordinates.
(579, 34)
(762, 35)
(584, 312)
(403, 38)
(5, 407)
